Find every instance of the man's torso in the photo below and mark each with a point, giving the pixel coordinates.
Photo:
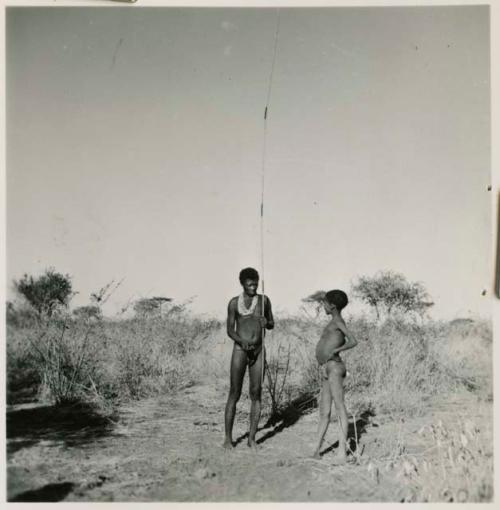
(249, 327)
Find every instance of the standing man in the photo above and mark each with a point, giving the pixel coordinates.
(245, 325)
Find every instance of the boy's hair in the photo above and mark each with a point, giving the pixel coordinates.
(249, 273)
(337, 298)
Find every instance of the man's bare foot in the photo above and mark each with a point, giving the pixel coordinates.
(252, 444)
(316, 455)
(228, 444)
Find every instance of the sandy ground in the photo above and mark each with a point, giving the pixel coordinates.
(169, 449)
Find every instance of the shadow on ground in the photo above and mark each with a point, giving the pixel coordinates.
(284, 418)
(355, 431)
(75, 425)
(48, 493)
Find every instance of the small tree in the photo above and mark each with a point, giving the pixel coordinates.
(47, 292)
(100, 297)
(149, 306)
(88, 312)
(388, 291)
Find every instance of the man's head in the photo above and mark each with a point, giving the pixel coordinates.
(335, 300)
(249, 279)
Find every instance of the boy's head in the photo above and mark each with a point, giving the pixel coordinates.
(335, 299)
(249, 279)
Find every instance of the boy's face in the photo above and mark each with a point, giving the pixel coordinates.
(328, 307)
(250, 287)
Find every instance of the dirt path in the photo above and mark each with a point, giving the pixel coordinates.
(170, 450)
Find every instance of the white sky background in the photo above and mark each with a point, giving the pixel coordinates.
(134, 141)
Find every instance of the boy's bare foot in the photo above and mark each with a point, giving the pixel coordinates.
(339, 459)
(228, 444)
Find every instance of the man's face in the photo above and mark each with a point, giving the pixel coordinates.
(250, 287)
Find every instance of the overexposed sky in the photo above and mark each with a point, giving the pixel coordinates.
(134, 141)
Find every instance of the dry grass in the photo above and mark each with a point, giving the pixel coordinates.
(397, 369)
(103, 361)
(459, 472)
(397, 365)
(453, 462)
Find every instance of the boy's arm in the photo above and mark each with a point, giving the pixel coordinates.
(230, 324)
(351, 340)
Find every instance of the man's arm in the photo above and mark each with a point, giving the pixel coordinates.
(231, 322)
(351, 340)
(268, 314)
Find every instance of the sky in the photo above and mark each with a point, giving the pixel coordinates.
(135, 136)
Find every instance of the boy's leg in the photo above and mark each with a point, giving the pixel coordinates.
(325, 408)
(336, 380)
(238, 367)
(255, 373)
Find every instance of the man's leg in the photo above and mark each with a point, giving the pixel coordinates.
(255, 371)
(325, 408)
(336, 380)
(238, 367)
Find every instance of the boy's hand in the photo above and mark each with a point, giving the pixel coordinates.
(263, 321)
(247, 346)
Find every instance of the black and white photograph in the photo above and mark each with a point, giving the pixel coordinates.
(250, 252)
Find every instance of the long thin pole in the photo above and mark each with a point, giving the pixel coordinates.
(263, 182)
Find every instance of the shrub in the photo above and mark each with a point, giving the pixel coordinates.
(47, 292)
(389, 292)
(73, 358)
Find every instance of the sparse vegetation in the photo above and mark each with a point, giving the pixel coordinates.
(82, 357)
(401, 364)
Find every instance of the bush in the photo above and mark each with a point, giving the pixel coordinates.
(389, 292)
(397, 365)
(47, 292)
(23, 378)
(73, 358)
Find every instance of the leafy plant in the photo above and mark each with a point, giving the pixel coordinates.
(47, 292)
(389, 291)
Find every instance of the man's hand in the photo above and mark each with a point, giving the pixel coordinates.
(247, 346)
(263, 321)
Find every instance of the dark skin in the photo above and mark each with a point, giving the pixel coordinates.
(247, 334)
(336, 338)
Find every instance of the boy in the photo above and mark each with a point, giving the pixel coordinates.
(245, 324)
(333, 371)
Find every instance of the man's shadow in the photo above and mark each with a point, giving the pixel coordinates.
(284, 418)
